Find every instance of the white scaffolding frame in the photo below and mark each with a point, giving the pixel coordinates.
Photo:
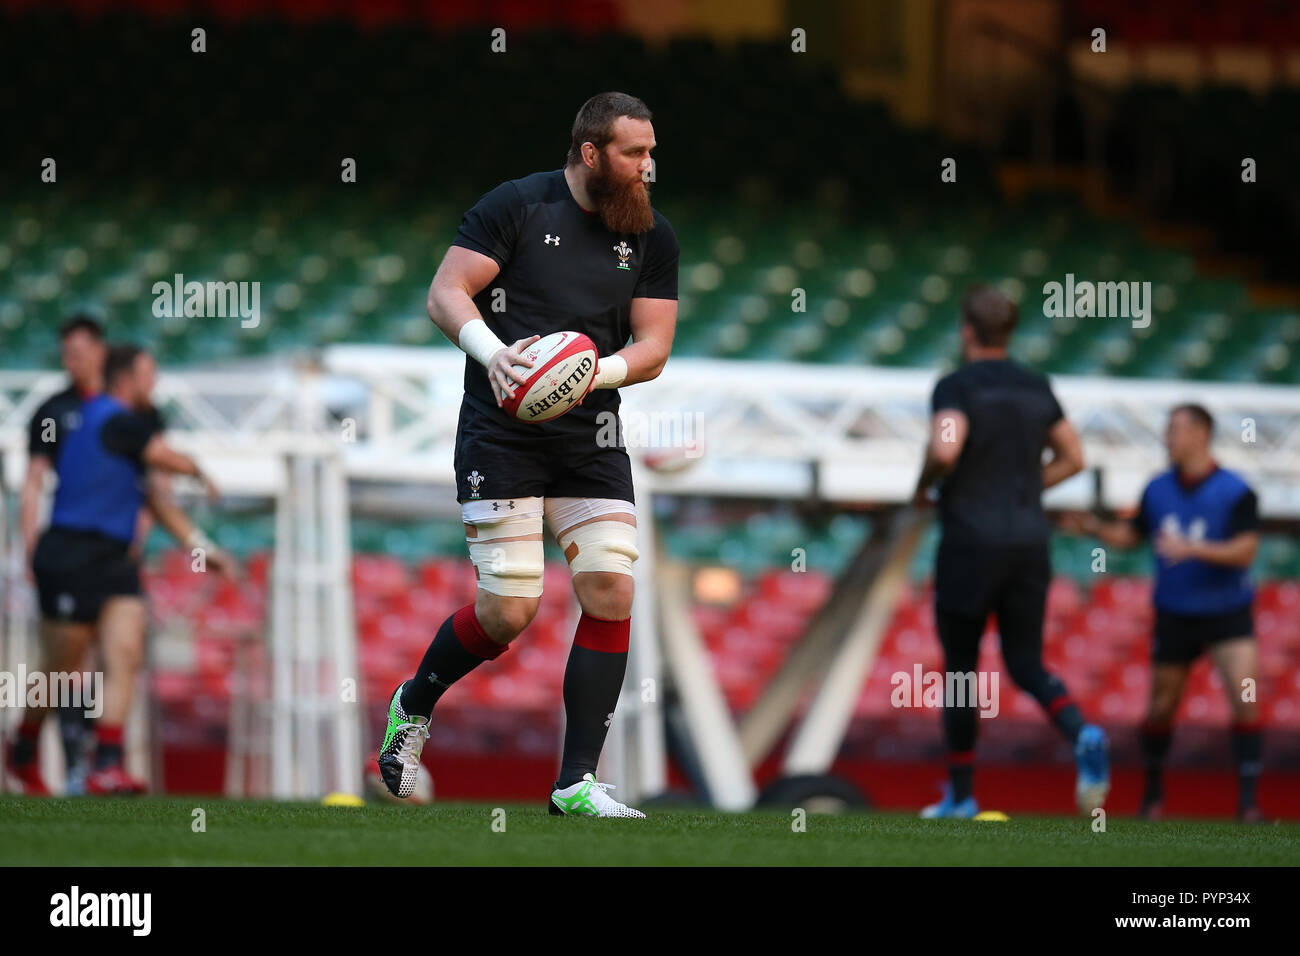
(260, 436)
(834, 434)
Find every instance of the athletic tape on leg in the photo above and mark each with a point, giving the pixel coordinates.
(508, 568)
(601, 546)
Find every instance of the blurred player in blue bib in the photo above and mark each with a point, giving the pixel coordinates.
(1203, 522)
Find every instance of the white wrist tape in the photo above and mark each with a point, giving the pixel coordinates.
(479, 342)
(611, 372)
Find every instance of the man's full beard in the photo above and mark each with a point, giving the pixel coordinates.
(624, 207)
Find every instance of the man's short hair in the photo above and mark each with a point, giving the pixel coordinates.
(595, 121)
(120, 361)
(82, 323)
(1197, 413)
(990, 314)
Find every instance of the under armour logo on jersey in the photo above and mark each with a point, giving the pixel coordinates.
(551, 240)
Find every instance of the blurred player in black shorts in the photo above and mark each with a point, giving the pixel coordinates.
(1203, 521)
(87, 581)
(578, 249)
(992, 420)
(82, 350)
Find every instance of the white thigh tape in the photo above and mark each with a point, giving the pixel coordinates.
(601, 546)
(508, 568)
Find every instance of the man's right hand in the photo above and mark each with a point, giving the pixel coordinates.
(500, 372)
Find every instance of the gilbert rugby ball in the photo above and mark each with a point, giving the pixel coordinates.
(563, 372)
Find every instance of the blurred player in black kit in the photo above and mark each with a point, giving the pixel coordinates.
(992, 419)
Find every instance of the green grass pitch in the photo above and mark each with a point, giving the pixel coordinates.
(158, 831)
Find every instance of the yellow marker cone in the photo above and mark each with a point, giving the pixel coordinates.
(337, 799)
(996, 816)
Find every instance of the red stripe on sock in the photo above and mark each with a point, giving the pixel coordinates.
(108, 734)
(472, 637)
(1058, 704)
(961, 758)
(597, 634)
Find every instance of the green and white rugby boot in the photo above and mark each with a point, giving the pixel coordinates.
(587, 798)
(399, 755)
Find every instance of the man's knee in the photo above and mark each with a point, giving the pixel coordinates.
(122, 624)
(604, 594)
(63, 645)
(1161, 714)
(504, 618)
(124, 650)
(1167, 682)
(1026, 671)
(1243, 711)
(1164, 704)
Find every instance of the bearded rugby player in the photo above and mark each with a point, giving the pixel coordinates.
(575, 249)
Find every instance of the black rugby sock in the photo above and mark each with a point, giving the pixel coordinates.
(1156, 738)
(592, 681)
(460, 645)
(1246, 752)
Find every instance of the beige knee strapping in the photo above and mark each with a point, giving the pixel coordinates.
(601, 546)
(508, 568)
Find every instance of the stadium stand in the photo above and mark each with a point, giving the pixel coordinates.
(880, 252)
(876, 294)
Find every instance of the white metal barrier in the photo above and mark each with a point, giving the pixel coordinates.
(260, 436)
(296, 437)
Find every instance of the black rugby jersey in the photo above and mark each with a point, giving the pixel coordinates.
(58, 416)
(561, 270)
(994, 493)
